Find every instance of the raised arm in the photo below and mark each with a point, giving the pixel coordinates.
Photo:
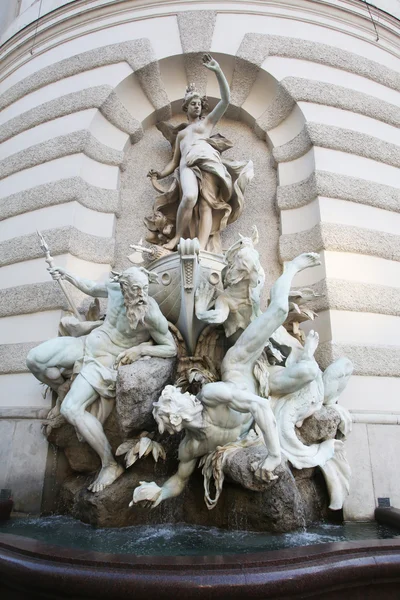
(87, 286)
(214, 116)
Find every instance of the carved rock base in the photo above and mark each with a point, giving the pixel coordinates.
(139, 385)
(295, 500)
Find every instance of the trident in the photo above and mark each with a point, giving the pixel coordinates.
(50, 261)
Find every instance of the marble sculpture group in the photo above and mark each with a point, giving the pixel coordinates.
(254, 390)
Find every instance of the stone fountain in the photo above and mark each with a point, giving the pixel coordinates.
(177, 399)
(185, 371)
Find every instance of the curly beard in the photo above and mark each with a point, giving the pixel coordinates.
(135, 312)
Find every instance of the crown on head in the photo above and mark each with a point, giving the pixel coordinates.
(193, 92)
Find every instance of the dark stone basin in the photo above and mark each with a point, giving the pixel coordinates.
(32, 570)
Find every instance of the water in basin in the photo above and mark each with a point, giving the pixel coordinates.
(181, 539)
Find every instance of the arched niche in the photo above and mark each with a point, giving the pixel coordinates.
(246, 125)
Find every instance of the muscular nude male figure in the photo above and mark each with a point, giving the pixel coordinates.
(133, 327)
(225, 411)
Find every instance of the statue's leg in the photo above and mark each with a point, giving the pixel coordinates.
(336, 376)
(73, 408)
(290, 379)
(46, 360)
(251, 343)
(190, 193)
(210, 188)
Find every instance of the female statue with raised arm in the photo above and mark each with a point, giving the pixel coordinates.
(207, 192)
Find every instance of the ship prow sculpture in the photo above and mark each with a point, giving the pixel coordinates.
(185, 348)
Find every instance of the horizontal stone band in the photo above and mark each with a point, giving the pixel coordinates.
(102, 97)
(23, 412)
(60, 192)
(58, 147)
(333, 185)
(340, 294)
(329, 94)
(256, 47)
(13, 357)
(337, 138)
(137, 53)
(380, 361)
(343, 238)
(61, 240)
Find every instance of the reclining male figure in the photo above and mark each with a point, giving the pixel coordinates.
(225, 411)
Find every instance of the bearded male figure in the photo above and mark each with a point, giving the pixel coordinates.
(225, 411)
(133, 327)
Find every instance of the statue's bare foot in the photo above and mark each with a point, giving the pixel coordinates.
(311, 343)
(305, 260)
(106, 477)
(172, 244)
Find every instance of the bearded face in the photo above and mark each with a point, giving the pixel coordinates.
(135, 290)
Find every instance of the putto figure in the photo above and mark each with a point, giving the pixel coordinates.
(133, 327)
(207, 191)
(224, 411)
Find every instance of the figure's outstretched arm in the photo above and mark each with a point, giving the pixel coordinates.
(87, 286)
(171, 166)
(151, 492)
(214, 116)
(244, 401)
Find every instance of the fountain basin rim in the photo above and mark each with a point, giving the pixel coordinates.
(329, 569)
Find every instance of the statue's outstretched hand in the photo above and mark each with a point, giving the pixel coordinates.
(154, 174)
(263, 470)
(57, 273)
(148, 492)
(210, 63)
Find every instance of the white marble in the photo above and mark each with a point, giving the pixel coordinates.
(133, 323)
(223, 411)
